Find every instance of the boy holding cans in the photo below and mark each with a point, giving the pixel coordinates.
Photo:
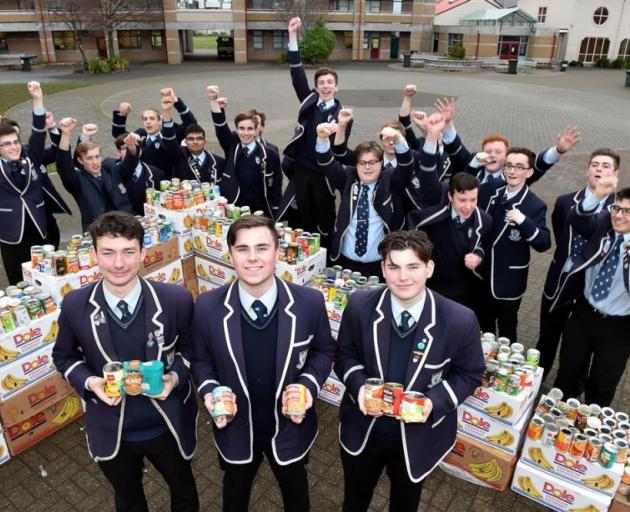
(263, 349)
(414, 341)
(125, 318)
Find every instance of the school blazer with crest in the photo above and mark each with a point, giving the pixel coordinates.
(84, 345)
(509, 258)
(304, 356)
(448, 371)
(597, 229)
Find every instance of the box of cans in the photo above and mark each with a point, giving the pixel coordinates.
(28, 338)
(485, 428)
(302, 272)
(213, 271)
(159, 256)
(211, 245)
(5, 456)
(556, 493)
(59, 286)
(182, 220)
(333, 389)
(27, 369)
(173, 273)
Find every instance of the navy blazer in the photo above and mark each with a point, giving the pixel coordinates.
(269, 166)
(386, 199)
(87, 191)
(508, 265)
(303, 331)
(84, 345)
(448, 372)
(597, 229)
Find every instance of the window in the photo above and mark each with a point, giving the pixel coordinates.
(624, 49)
(600, 16)
(129, 39)
(157, 40)
(512, 46)
(347, 39)
(63, 40)
(542, 14)
(4, 45)
(340, 5)
(257, 40)
(593, 48)
(280, 39)
(454, 39)
(373, 5)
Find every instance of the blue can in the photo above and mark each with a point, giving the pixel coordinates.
(152, 372)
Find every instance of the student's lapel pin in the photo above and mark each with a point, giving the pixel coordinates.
(150, 340)
(159, 336)
(99, 319)
(418, 352)
(157, 145)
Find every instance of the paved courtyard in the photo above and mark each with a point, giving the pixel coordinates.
(530, 109)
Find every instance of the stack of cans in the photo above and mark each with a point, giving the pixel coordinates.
(21, 304)
(175, 194)
(338, 284)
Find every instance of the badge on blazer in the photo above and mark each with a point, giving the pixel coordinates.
(34, 176)
(257, 160)
(301, 359)
(416, 183)
(122, 188)
(150, 340)
(100, 319)
(436, 378)
(515, 235)
(355, 191)
(470, 231)
(170, 359)
(157, 145)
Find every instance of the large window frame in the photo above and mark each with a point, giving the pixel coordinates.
(64, 40)
(130, 39)
(593, 48)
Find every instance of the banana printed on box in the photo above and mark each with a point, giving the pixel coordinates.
(24, 340)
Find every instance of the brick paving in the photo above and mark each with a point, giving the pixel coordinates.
(530, 109)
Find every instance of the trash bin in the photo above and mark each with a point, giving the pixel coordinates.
(564, 65)
(26, 63)
(512, 66)
(627, 77)
(406, 60)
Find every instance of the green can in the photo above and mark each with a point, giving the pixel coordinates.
(8, 321)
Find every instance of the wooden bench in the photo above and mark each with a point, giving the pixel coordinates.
(14, 60)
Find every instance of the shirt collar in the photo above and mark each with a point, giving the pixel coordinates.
(386, 161)
(329, 103)
(201, 157)
(131, 298)
(370, 186)
(268, 299)
(251, 146)
(415, 311)
(493, 175)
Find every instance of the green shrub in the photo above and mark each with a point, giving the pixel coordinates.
(118, 63)
(602, 62)
(98, 66)
(457, 51)
(318, 43)
(284, 58)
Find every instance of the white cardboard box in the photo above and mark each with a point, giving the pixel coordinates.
(302, 272)
(29, 338)
(205, 286)
(58, 286)
(17, 374)
(214, 271)
(580, 472)
(4, 449)
(333, 389)
(210, 245)
(173, 273)
(183, 220)
(554, 492)
(185, 244)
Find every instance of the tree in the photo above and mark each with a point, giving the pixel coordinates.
(309, 11)
(318, 43)
(75, 16)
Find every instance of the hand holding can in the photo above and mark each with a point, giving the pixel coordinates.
(113, 375)
(371, 397)
(296, 400)
(221, 404)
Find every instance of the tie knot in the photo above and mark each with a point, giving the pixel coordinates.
(124, 309)
(261, 311)
(405, 321)
(322, 106)
(246, 150)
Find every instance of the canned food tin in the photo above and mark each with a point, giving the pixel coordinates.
(222, 402)
(563, 440)
(572, 410)
(590, 432)
(535, 429)
(500, 380)
(595, 410)
(373, 400)
(502, 340)
(152, 373)
(8, 321)
(583, 413)
(549, 433)
(517, 348)
(513, 386)
(610, 423)
(605, 438)
(392, 397)
(578, 445)
(621, 417)
(133, 377)
(593, 422)
(608, 456)
(22, 318)
(607, 412)
(593, 449)
(488, 336)
(37, 254)
(545, 405)
(622, 450)
(113, 374)
(618, 434)
(562, 423)
(533, 356)
(605, 430)
(412, 407)
(34, 308)
(296, 400)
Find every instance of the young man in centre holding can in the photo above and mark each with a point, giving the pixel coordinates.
(404, 335)
(258, 336)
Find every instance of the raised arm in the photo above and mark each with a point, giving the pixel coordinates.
(221, 128)
(404, 116)
(545, 160)
(327, 164)
(126, 167)
(340, 144)
(65, 165)
(37, 139)
(298, 76)
(583, 217)
(119, 119)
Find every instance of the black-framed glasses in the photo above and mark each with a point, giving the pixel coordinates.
(517, 167)
(615, 209)
(9, 143)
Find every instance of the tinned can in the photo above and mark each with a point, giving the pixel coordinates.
(133, 377)
(608, 455)
(606, 412)
(500, 380)
(533, 357)
(8, 321)
(578, 445)
(535, 429)
(373, 395)
(563, 440)
(412, 407)
(222, 402)
(392, 397)
(545, 405)
(22, 318)
(514, 384)
(296, 400)
(549, 434)
(593, 449)
(583, 413)
(572, 410)
(113, 374)
(622, 450)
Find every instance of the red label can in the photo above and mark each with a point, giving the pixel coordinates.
(296, 400)
(392, 397)
(563, 440)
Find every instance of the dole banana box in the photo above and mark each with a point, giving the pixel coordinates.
(24, 340)
(5, 456)
(302, 272)
(211, 246)
(183, 220)
(205, 286)
(159, 256)
(59, 286)
(32, 430)
(333, 389)
(503, 407)
(487, 429)
(173, 273)
(482, 463)
(581, 472)
(185, 245)
(34, 398)
(213, 271)
(25, 370)
(556, 493)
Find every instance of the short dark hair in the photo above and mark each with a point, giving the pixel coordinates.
(250, 115)
(606, 152)
(531, 156)
(417, 241)
(119, 141)
(194, 128)
(368, 147)
(622, 194)
(260, 115)
(11, 122)
(117, 223)
(7, 129)
(326, 71)
(151, 109)
(461, 182)
(250, 222)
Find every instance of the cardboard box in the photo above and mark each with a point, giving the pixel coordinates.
(619, 504)
(29, 338)
(185, 244)
(34, 398)
(205, 286)
(556, 493)
(485, 465)
(213, 271)
(580, 472)
(159, 256)
(171, 273)
(487, 429)
(25, 370)
(30, 431)
(304, 271)
(503, 407)
(333, 389)
(58, 286)
(211, 246)
(5, 456)
(183, 220)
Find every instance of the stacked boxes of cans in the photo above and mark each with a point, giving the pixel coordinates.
(579, 448)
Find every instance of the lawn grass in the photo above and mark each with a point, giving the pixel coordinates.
(208, 42)
(14, 94)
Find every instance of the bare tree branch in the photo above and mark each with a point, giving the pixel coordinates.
(309, 11)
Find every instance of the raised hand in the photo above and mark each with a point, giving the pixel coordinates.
(223, 102)
(35, 90)
(446, 107)
(67, 124)
(213, 92)
(605, 186)
(409, 90)
(50, 121)
(345, 115)
(325, 130)
(124, 108)
(419, 118)
(89, 130)
(435, 125)
(567, 139)
(294, 25)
